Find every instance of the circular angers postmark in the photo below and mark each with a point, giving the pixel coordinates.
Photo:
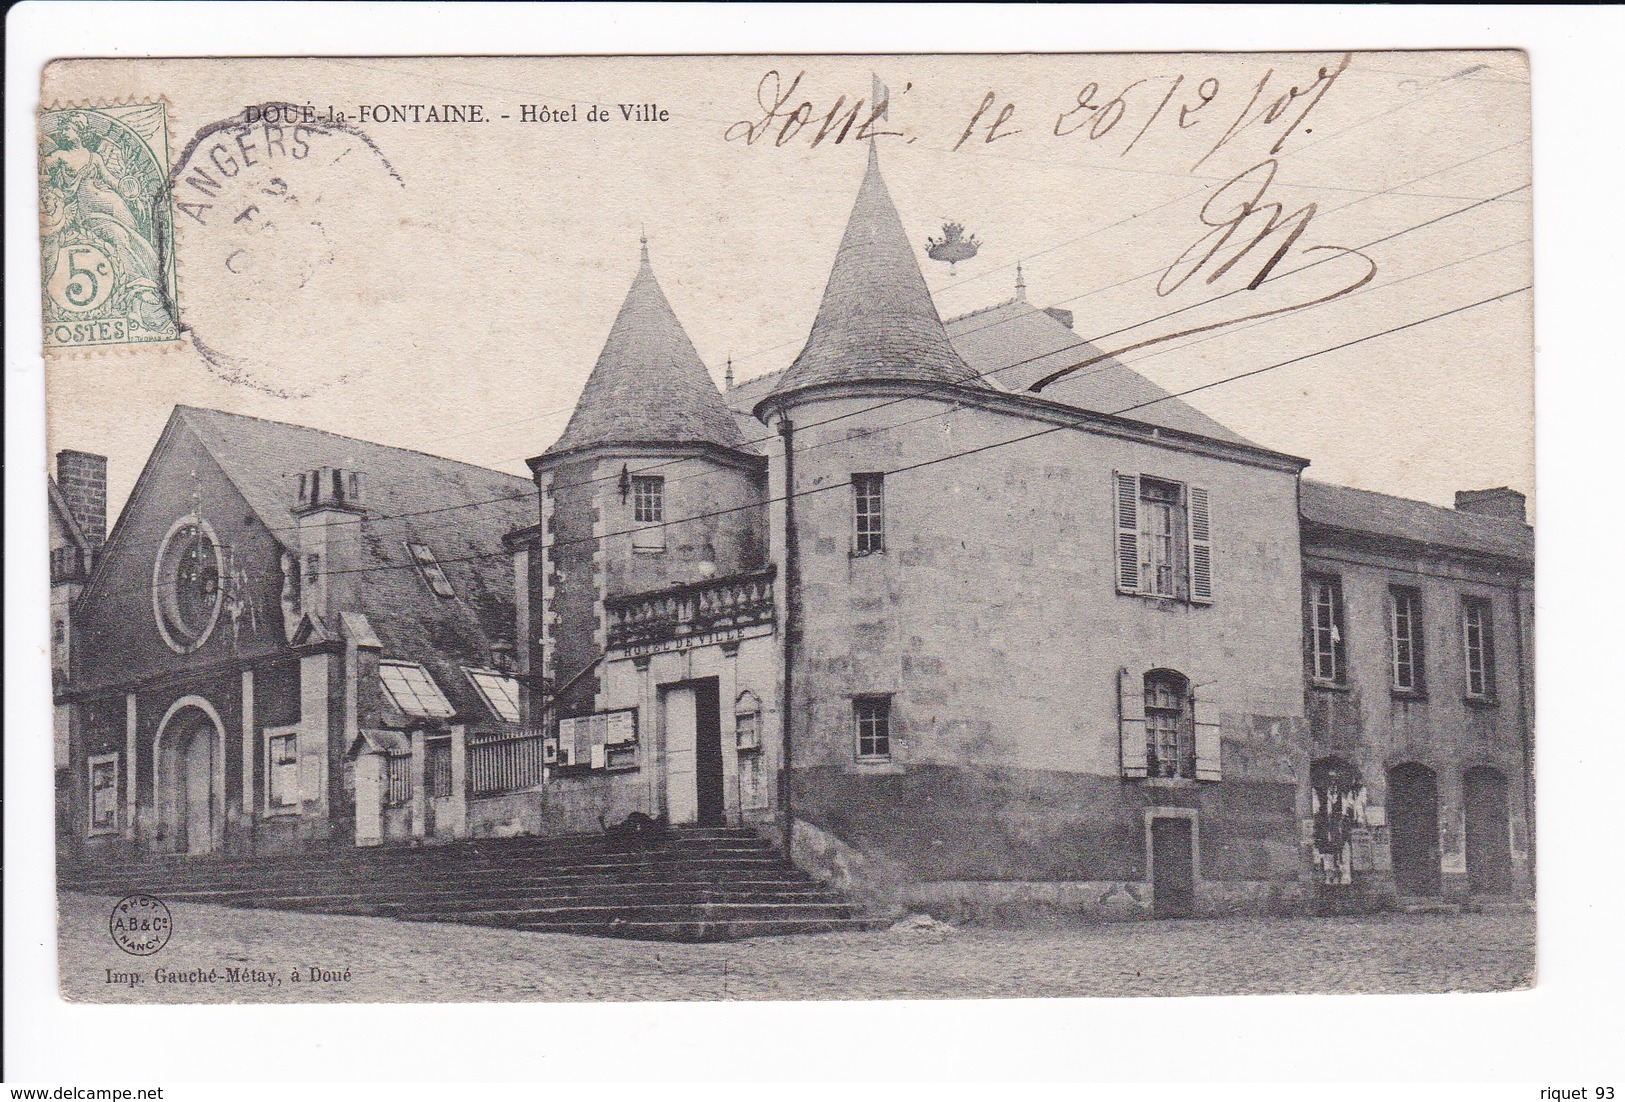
(140, 925)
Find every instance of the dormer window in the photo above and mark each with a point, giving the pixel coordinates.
(413, 691)
(501, 694)
(429, 567)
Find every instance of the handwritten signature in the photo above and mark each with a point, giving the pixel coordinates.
(1239, 220)
(784, 123)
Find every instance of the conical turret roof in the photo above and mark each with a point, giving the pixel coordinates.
(877, 320)
(648, 386)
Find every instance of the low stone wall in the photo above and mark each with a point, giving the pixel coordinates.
(565, 805)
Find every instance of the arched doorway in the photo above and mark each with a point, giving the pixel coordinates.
(1413, 820)
(190, 754)
(1489, 843)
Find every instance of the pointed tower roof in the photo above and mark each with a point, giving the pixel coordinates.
(877, 320)
(649, 386)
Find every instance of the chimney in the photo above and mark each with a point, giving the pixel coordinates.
(1499, 502)
(82, 478)
(1060, 315)
(329, 509)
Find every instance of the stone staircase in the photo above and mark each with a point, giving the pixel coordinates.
(684, 884)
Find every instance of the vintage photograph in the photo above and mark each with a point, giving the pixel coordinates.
(790, 527)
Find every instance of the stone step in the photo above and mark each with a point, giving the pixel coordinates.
(203, 878)
(637, 912)
(425, 859)
(683, 885)
(702, 931)
(392, 903)
(783, 882)
(1421, 905)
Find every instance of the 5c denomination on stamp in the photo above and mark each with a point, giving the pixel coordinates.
(107, 266)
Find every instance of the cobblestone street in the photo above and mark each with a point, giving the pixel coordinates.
(389, 961)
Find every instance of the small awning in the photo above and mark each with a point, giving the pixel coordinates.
(380, 742)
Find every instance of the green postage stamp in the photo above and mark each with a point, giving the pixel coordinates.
(107, 262)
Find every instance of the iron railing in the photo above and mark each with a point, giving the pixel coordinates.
(505, 763)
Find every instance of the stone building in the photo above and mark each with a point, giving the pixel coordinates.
(1418, 635)
(273, 603)
(966, 615)
(77, 506)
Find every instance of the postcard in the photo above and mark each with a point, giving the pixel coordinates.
(790, 527)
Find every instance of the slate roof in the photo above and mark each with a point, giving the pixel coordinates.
(1014, 344)
(648, 385)
(458, 510)
(876, 320)
(1363, 511)
(59, 502)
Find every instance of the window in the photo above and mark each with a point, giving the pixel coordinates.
(414, 691)
(1159, 545)
(501, 694)
(1405, 639)
(1478, 640)
(1164, 539)
(187, 592)
(869, 513)
(1170, 736)
(281, 769)
(747, 722)
(648, 500)
(872, 715)
(1325, 634)
(433, 574)
(103, 793)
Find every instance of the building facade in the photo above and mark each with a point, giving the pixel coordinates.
(277, 613)
(969, 616)
(1417, 645)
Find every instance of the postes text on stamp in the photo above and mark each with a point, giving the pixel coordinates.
(107, 266)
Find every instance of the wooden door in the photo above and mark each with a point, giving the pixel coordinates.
(1413, 823)
(198, 772)
(1173, 868)
(1489, 843)
(678, 716)
(708, 779)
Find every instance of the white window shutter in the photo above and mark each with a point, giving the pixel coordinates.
(1131, 722)
(1126, 508)
(1201, 545)
(1205, 712)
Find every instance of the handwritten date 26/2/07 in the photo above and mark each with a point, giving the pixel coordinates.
(1278, 106)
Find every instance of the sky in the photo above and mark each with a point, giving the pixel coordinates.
(447, 286)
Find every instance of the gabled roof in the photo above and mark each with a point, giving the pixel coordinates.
(876, 320)
(1014, 344)
(457, 509)
(70, 523)
(648, 386)
(1362, 511)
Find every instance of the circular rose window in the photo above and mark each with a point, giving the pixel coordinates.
(186, 592)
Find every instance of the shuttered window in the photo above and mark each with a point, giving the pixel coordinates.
(1170, 736)
(1163, 538)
